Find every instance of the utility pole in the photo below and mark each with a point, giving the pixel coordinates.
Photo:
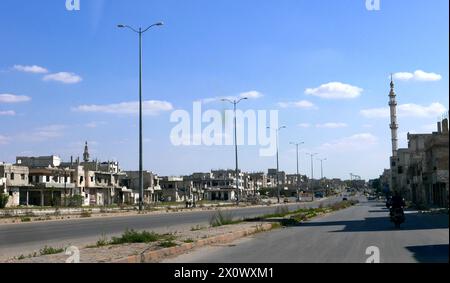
(312, 172)
(321, 166)
(235, 103)
(141, 167)
(298, 169)
(278, 160)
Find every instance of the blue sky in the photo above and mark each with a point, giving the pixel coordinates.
(221, 48)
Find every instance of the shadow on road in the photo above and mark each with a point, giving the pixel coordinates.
(414, 221)
(379, 211)
(430, 254)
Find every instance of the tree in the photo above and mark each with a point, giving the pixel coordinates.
(3, 200)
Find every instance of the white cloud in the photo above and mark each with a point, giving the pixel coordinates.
(64, 77)
(31, 69)
(150, 108)
(407, 110)
(303, 104)
(418, 75)
(4, 140)
(332, 125)
(335, 90)
(403, 76)
(7, 113)
(44, 133)
(414, 110)
(94, 125)
(250, 95)
(355, 142)
(304, 125)
(376, 112)
(11, 98)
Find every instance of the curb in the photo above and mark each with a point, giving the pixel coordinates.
(155, 256)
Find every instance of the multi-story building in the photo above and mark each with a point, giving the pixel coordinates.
(14, 181)
(436, 170)
(177, 189)
(152, 189)
(415, 190)
(51, 186)
(254, 182)
(420, 172)
(273, 179)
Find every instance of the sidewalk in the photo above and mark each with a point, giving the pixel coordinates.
(153, 252)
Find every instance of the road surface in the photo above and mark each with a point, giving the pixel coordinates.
(342, 237)
(25, 238)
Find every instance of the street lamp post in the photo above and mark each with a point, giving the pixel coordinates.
(235, 103)
(278, 161)
(298, 169)
(141, 172)
(312, 172)
(321, 166)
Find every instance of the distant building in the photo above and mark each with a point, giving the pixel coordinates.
(152, 189)
(177, 189)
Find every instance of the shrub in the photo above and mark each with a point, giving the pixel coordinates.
(103, 241)
(25, 219)
(188, 241)
(300, 217)
(75, 201)
(50, 251)
(85, 214)
(3, 200)
(131, 236)
(167, 244)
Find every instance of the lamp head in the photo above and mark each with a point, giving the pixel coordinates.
(120, 26)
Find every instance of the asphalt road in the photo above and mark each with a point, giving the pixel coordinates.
(25, 238)
(342, 237)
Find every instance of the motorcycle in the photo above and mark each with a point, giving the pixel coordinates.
(398, 217)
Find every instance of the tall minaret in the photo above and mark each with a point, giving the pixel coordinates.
(86, 153)
(394, 125)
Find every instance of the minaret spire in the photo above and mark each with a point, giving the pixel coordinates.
(86, 153)
(394, 125)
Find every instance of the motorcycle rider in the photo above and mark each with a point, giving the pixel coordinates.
(397, 202)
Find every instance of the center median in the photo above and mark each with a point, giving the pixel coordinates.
(145, 247)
